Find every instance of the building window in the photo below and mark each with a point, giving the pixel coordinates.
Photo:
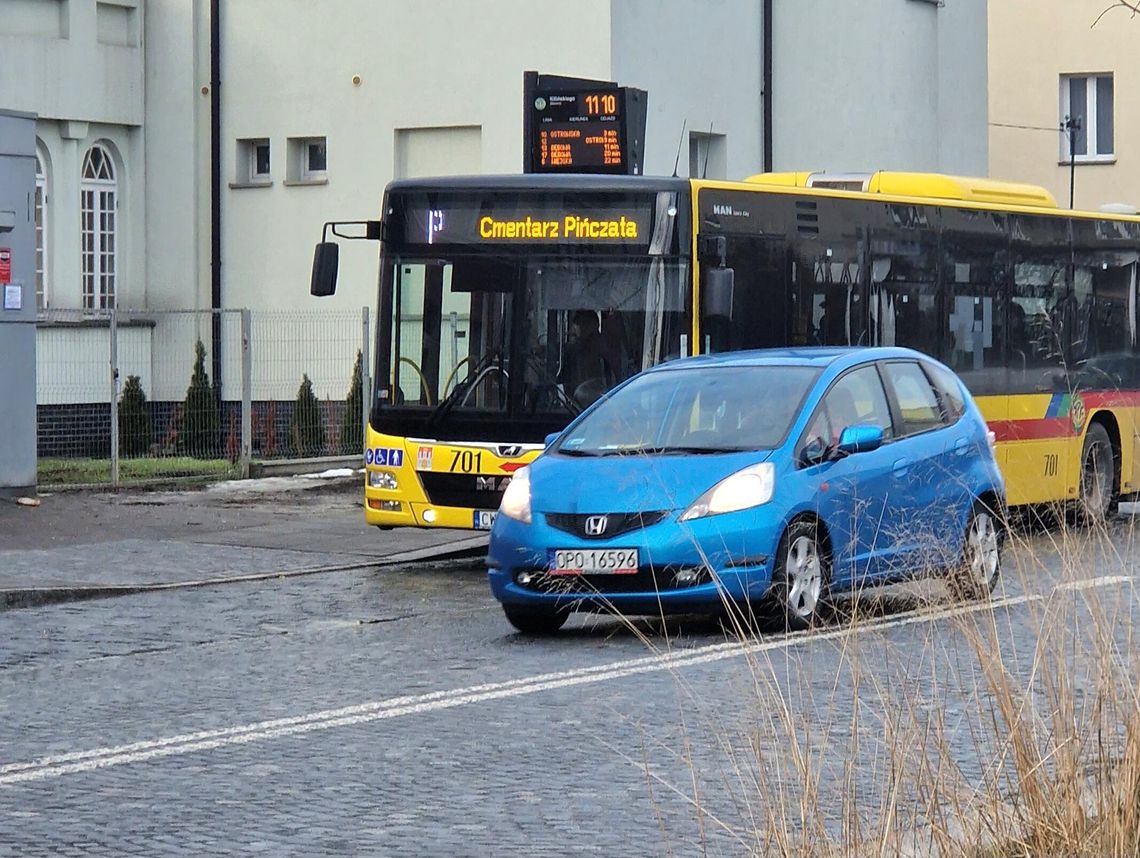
(1087, 116)
(98, 213)
(308, 161)
(41, 234)
(253, 163)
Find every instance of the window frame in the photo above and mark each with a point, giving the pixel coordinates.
(103, 191)
(40, 206)
(246, 174)
(1092, 155)
(307, 173)
(896, 409)
(932, 375)
(802, 441)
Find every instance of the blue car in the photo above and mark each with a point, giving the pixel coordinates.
(775, 476)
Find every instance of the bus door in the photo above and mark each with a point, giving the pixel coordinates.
(760, 297)
(828, 275)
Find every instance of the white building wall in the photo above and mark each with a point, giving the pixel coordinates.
(880, 84)
(78, 65)
(700, 61)
(446, 64)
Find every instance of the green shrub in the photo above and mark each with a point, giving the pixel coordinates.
(201, 422)
(134, 419)
(306, 432)
(351, 430)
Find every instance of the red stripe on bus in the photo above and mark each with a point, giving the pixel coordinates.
(1111, 399)
(1031, 430)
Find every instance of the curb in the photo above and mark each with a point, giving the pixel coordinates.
(34, 597)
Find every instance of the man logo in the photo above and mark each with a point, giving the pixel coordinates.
(596, 525)
(492, 484)
(508, 451)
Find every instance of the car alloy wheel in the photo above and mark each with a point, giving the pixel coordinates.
(978, 571)
(800, 577)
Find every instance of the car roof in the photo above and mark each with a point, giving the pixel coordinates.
(815, 356)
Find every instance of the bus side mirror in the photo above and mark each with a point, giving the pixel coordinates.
(325, 260)
(716, 293)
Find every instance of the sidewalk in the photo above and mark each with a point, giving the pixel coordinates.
(78, 545)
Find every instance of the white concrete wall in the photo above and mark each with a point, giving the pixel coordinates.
(78, 65)
(879, 84)
(288, 68)
(700, 61)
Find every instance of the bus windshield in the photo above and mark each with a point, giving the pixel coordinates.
(523, 336)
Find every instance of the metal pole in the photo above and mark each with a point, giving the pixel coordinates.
(365, 382)
(114, 399)
(1072, 126)
(246, 393)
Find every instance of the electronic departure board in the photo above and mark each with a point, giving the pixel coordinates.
(582, 126)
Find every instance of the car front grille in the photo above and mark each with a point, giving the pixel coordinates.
(649, 579)
(616, 523)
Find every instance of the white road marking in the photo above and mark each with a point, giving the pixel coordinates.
(84, 761)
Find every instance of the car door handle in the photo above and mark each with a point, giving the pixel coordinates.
(961, 446)
(901, 468)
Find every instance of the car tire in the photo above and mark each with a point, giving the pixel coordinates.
(1098, 475)
(801, 577)
(977, 572)
(532, 622)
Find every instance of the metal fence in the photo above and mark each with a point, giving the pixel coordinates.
(132, 395)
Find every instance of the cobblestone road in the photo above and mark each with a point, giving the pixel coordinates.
(416, 723)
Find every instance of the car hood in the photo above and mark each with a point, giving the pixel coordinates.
(630, 483)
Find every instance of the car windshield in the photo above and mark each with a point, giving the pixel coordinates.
(694, 410)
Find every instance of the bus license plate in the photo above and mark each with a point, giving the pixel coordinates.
(594, 561)
(484, 519)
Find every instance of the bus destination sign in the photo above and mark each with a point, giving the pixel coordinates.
(574, 125)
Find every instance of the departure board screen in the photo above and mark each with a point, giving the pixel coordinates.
(579, 132)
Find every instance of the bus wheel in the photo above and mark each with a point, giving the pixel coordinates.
(1098, 468)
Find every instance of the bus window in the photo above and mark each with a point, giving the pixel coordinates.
(1039, 311)
(903, 302)
(759, 297)
(975, 269)
(828, 282)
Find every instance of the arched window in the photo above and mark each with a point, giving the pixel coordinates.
(41, 234)
(98, 207)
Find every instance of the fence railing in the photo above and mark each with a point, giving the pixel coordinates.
(131, 395)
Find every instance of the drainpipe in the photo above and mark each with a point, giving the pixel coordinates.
(766, 86)
(216, 193)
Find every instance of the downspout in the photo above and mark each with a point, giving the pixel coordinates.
(766, 85)
(216, 194)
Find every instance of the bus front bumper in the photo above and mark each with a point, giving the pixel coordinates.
(383, 512)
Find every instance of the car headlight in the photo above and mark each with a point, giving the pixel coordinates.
(516, 499)
(750, 487)
(382, 480)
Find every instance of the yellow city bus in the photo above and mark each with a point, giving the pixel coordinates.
(508, 304)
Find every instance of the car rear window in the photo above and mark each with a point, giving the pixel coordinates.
(916, 399)
(949, 390)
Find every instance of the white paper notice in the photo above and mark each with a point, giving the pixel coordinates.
(13, 296)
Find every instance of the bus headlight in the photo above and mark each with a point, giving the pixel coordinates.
(516, 499)
(750, 487)
(383, 480)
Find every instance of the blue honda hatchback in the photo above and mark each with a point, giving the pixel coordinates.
(777, 476)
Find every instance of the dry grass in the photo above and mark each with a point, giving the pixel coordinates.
(1007, 728)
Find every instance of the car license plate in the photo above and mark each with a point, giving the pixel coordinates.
(593, 561)
(484, 519)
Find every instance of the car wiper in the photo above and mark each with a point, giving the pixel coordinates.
(696, 451)
(578, 453)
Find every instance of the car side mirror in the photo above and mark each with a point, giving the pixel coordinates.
(860, 439)
(550, 439)
(325, 260)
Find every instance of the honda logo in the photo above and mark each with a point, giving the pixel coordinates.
(596, 525)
